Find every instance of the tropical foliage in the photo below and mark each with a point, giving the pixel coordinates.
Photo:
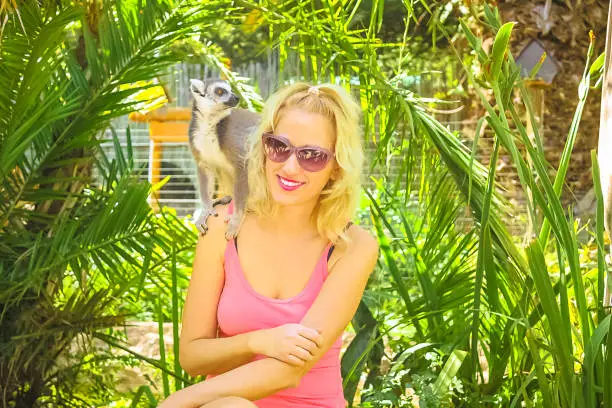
(459, 312)
(77, 257)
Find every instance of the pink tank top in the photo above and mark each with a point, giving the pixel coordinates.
(241, 309)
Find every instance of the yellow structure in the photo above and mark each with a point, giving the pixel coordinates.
(166, 125)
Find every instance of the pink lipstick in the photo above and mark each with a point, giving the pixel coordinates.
(287, 184)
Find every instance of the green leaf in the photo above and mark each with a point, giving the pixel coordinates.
(593, 349)
(561, 340)
(452, 365)
(354, 359)
(536, 68)
(475, 43)
(144, 390)
(598, 64)
(178, 384)
(500, 48)
(607, 380)
(162, 347)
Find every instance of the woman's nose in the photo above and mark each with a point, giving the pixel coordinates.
(291, 166)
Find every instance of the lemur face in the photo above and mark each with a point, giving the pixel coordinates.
(213, 95)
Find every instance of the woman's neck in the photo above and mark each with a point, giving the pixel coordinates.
(292, 221)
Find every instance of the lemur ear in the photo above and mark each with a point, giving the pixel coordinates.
(196, 86)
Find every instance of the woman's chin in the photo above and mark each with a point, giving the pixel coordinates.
(290, 198)
(283, 199)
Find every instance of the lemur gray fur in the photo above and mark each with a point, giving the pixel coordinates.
(218, 136)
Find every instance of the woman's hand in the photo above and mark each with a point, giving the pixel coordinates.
(291, 343)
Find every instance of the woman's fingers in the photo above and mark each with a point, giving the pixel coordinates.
(312, 335)
(308, 345)
(293, 360)
(301, 353)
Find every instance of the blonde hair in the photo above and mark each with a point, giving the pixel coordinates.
(339, 199)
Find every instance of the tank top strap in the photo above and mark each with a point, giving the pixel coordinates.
(322, 267)
(331, 248)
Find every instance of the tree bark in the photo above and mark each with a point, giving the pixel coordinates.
(604, 155)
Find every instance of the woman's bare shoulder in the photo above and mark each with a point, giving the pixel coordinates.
(361, 244)
(214, 239)
(361, 239)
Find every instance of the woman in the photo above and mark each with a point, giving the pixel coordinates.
(265, 313)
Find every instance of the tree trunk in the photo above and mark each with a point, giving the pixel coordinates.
(605, 150)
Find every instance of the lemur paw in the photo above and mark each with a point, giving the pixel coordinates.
(223, 201)
(233, 226)
(202, 220)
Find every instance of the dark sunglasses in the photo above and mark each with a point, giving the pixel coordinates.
(279, 149)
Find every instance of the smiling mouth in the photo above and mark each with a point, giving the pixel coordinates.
(287, 184)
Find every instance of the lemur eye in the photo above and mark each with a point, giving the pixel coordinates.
(220, 91)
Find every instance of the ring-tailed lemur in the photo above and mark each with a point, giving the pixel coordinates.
(218, 135)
